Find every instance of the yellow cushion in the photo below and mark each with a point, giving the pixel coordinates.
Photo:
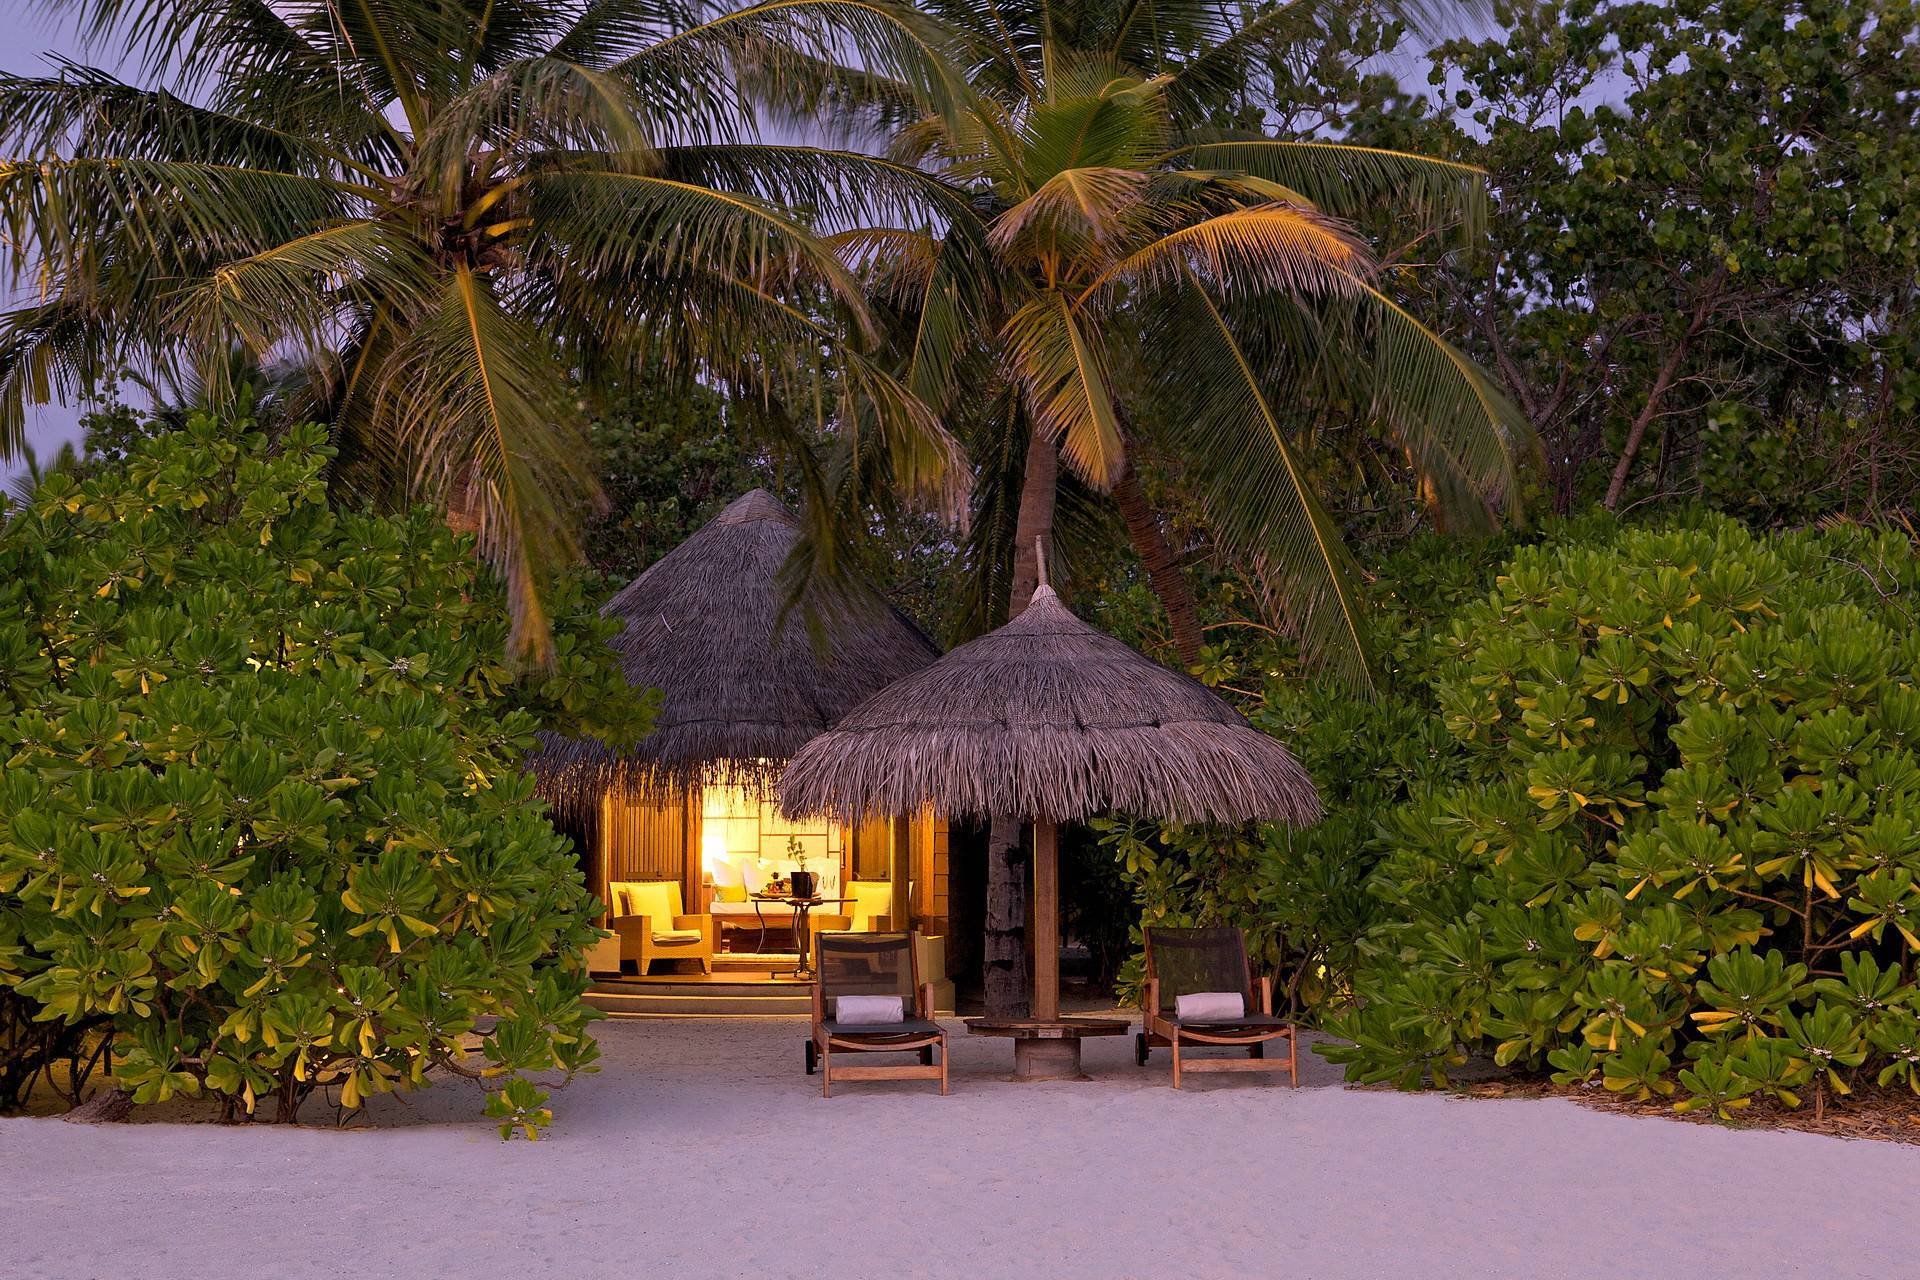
(659, 899)
(677, 935)
(872, 899)
(730, 893)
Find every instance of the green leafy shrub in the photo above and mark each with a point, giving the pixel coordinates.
(1302, 896)
(263, 815)
(1689, 829)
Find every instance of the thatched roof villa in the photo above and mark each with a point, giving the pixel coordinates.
(685, 822)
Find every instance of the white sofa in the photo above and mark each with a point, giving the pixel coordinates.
(757, 875)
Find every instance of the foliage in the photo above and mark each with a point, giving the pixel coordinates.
(263, 809)
(1688, 829)
(454, 222)
(1302, 896)
(667, 463)
(1135, 237)
(1704, 256)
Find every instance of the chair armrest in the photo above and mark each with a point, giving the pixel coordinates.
(704, 923)
(635, 926)
(1266, 994)
(926, 1001)
(819, 1005)
(829, 924)
(1150, 999)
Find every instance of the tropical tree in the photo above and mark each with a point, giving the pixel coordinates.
(1131, 256)
(1123, 252)
(450, 222)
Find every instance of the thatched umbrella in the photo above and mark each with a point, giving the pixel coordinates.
(1051, 719)
(745, 679)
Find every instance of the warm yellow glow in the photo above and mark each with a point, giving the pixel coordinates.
(739, 829)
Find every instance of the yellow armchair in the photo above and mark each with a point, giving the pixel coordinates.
(870, 911)
(651, 926)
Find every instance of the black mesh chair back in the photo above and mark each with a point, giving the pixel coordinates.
(1189, 961)
(865, 964)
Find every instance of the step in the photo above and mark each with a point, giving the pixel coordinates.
(702, 1000)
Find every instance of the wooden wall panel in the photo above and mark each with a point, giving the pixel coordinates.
(642, 840)
(927, 847)
(872, 850)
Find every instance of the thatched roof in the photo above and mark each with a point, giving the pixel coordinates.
(1048, 718)
(744, 679)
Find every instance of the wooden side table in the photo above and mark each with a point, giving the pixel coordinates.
(1047, 1048)
(802, 907)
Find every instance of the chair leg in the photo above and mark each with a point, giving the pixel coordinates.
(943, 1069)
(706, 965)
(1176, 1060)
(826, 1071)
(926, 1056)
(813, 1057)
(1140, 1050)
(1293, 1058)
(1257, 1050)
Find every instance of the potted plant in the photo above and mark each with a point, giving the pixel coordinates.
(801, 878)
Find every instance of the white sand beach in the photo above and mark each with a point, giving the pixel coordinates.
(704, 1151)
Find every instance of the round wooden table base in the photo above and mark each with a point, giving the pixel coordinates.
(1047, 1060)
(1047, 1048)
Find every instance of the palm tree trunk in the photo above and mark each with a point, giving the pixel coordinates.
(1007, 988)
(1163, 571)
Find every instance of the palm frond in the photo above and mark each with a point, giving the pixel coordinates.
(475, 399)
(1261, 501)
(605, 223)
(825, 186)
(770, 51)
(1073, 212)
(304, 292)
(61, 350)
(1348, 180)
(1460, 431)
(538, 104)
(1064, 378)
(177, 215)
(1270, 247)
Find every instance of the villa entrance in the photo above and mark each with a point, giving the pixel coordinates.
(748, 891)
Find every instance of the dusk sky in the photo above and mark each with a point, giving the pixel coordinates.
(28, 34)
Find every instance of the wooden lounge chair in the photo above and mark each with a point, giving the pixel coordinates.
(648, 920)
(1191, 961)
(873, 964)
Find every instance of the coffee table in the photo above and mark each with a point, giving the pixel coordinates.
(802, 907)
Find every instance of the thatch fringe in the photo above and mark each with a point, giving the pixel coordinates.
(1048, 717)
(744, 681)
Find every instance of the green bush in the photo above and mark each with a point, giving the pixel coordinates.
(1301, 896)
(263, 815)
(1685, 849)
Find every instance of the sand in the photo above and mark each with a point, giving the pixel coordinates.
(703, 1151)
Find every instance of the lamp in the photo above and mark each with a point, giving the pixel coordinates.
(713, 848)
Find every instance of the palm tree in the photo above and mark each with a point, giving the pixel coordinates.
(1136, 259)
(1120, 256)
(447, 224)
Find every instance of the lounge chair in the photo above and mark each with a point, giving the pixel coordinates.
(1191, 962)
(651, 926)
(873, 964)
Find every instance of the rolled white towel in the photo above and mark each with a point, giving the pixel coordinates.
(1210, 1006)
(869, 1011)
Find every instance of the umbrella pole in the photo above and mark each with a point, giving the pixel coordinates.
(1046, 920)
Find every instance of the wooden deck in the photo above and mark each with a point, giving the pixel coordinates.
(740, 985)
